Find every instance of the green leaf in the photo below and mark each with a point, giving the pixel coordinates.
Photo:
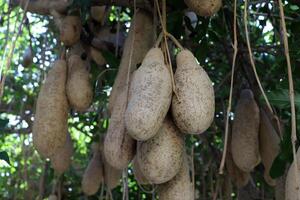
(4, 156)
(278, 167)
(281, 98)
(111, 59)
(3, 123)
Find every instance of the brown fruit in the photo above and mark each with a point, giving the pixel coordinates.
(245, 142)
(50, 122)
(44, 7)
(138, 174)
(79, 89)
(150, 97)
(69, 27)
(93, 174)
(204, 7)
(292, 191)
(268, 145)
(112, 176)
(61, 161)
(142, 33)
(97, 13)
(97, 56)
(160, 157)
(237, 176)
(119, 147)
(27, 57)
(180, 187)
(194, 111)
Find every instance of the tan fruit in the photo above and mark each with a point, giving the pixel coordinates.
(268, 145)
(119, 147)
(52, 197)
(79, 90)
(150, 99)
(27, 57)
(292, 191)
(97, 56)
(77, 49)
(44, 7)
(50, 122)
(97, 13)
(61, 161)
(138, 174)
(142, 34)
(245, 142)
(204, 7)
(178, 188)
(112, 176)
(280, 187)
(93, 174)
(69, 26)
(194, 111)
(237, 176)
(160, 157)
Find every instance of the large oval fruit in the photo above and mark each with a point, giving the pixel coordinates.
(150, 97)
(61, 161)
(138, 174)
(160, 157)
(268, 145)
(79, 90)
(50, 122)
(194, 105)
(70, 30)
(180, 187)
(292, 191)
(119, 147)
(204, 7)
(244, 144)
(139, 40)
(93, 174)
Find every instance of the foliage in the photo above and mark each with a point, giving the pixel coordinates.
(211, 41)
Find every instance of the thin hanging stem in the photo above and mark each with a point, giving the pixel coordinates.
(291, 92)
(251, 56)
(235, 48)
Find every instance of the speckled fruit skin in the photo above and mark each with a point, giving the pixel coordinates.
(93, 174)
(61, 161)
(160, 157)
(194, 106)
(204, 7)
(237, 176)
(50, 121)
(70, 29)
(138, 174)
(269, 145)
(142, 33)
(119, 147)
(178, 188)
(291, 191)
(245, 142)
(97, 13)
(79, 89)
(150, 97)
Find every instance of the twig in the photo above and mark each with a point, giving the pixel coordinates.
(159, 38)
(251, 56)
(291, 92)
(174, 40)
(235, 48)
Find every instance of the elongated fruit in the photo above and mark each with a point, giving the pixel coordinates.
(245, 144)
(150, 97)
(194, 105)
(292, 191)
(50, 121)
(204, 7)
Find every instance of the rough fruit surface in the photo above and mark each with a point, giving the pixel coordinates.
(194, 111)
(292, 191)
(245, 142)
(204, 7)
(180, 187)
(269, 147)
(50, 122)
(70, 30)
(150, 97)
(160, 157)
(79, 89)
